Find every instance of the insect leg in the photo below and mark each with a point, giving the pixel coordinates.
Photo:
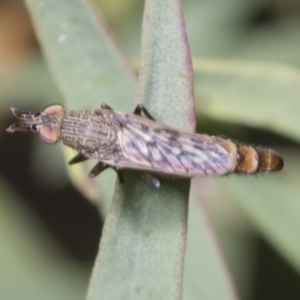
(97, 169)
(100, 167)
(103, 105)
(150, 179)
(77, 159)
(119, 175)
(141, 108)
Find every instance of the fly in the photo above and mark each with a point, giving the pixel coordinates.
(129, 141)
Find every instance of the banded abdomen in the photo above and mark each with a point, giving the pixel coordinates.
(250, 159)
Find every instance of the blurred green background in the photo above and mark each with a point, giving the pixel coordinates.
(242, 49)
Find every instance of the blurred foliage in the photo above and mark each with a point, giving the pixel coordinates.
(258, 93)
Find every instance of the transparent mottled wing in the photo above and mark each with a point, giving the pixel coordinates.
(153, 147)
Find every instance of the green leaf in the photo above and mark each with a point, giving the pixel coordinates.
(81, 54)
(205, 272)
(144, 234)
(88, 70)
(260, 94)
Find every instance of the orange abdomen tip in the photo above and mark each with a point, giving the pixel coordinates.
(257, 160)
(269, 161)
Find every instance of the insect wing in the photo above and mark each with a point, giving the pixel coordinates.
(154, 147)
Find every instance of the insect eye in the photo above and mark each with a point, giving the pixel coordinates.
(48, 135)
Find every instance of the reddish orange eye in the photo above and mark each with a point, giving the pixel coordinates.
(55, 109)
(48, 135)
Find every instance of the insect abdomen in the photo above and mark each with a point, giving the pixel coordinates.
(256, 160)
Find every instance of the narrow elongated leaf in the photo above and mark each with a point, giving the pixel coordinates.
(81, 54)
(205, 273)
(88, 70)
(260, 94)
(144, 235)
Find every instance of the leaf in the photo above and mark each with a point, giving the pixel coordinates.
(260, 94)
(144, 234)
(88, 69)
(205, 272)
